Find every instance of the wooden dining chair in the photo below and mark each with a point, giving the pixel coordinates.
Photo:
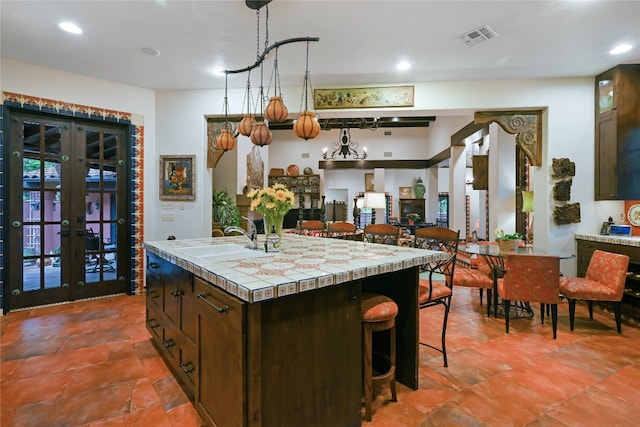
(604, 281)
(531, 278)
(385, 234)
(312, 227)
(341, 230)
(436, 279)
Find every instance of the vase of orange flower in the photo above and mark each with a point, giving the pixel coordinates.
(273, 203)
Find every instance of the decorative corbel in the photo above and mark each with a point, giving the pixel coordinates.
(525, 124)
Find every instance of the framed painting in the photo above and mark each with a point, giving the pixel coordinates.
(363, 97)
(177, 178)
(404, 192)
(368, 182)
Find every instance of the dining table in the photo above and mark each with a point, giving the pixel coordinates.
(495, 258)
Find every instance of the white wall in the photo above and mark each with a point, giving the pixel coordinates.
(33, 80)
(176, 124)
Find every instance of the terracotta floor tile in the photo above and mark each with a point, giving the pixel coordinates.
(593, 408)
(552, 379)
(93, 364)
(623, 384)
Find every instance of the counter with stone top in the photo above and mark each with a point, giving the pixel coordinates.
(275, 339)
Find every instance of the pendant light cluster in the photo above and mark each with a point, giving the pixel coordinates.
(256, 125)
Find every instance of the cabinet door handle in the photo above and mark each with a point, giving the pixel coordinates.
(153, 294)
(203, 297)
(154, 325)
(187, 367)
(168, 343)
(154, 265)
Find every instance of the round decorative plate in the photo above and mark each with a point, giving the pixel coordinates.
(308, 171)
(293, 170)
(633, 215)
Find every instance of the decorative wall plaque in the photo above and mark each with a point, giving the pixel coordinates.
(562, 190)
(563, 168)
(569, 214)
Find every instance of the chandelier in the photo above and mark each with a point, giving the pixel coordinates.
(344, 147)
(256, 125)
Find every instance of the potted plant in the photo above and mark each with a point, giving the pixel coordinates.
(225, 211)
(412, 218)
(507, 242)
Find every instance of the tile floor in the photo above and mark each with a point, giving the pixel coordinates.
(90, 363)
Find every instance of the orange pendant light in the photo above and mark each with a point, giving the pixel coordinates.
(225, 141)
(276, 111)
(245, 125)
(306, 125)
(261, 134)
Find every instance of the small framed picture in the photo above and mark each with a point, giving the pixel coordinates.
(177, 178)
(404, 192)
(368, 182)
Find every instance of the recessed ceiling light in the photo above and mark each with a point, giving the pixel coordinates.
(70, 27)
(217, 71)
(403, 65)
(620, 49)
(150, 51)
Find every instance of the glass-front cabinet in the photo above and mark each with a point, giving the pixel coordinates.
(617, 133)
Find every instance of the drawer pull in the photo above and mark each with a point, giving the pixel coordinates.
(154, 265)
(187, 368)
(203, 297)
(153, 294)
(168, 343)
(154, 325)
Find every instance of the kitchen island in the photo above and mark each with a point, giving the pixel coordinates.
(266, 339)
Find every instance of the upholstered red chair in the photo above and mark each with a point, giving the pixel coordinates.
(312, 227)
(531, 278)
(476, 274)
(378, 314)
(604, 281)
(385, 234)
(341, 230)
(436, 279)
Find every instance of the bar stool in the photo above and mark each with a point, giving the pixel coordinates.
(378, 314)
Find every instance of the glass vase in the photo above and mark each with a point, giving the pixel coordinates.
(273, 222)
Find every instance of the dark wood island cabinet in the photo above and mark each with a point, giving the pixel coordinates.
(293, 358)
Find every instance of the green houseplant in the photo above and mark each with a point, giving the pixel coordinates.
(225, 211)
(507, 242)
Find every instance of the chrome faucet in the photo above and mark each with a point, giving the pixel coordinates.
(252, 234)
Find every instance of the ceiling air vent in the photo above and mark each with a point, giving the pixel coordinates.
(478, 35)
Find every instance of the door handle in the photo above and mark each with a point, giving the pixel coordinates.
(64, 233)
(80, 232)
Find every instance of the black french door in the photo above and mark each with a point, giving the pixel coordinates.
(68, 210)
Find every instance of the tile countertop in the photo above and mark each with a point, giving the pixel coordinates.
(618, 240)
(303, 264)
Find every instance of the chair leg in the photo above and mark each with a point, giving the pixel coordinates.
(507, 306)
(542, 312)
(489, 302)
(554, 318)
(495, 302)
(617, 310)
(392, 359)
(572, 312)
(444, 332)
(368, 372)
(481, 295)
(590, 304)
